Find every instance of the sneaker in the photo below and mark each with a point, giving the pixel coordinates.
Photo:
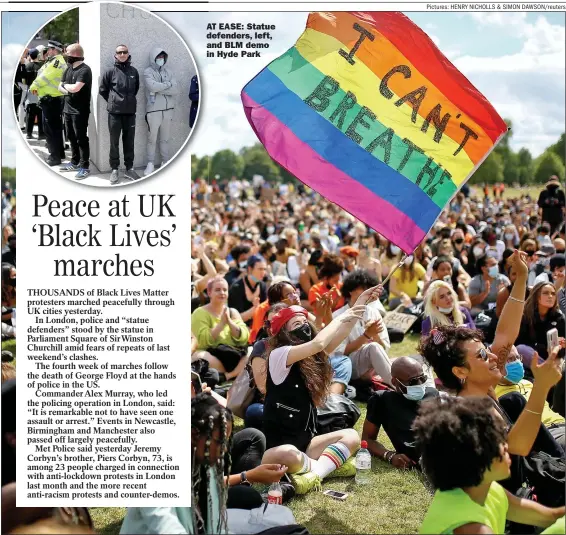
(69, 167)
(114, 177)
(350, 392)
(131, 174)
(303, 483)
(149, 169)
(82, 174)
(348, 469)
(29, 136)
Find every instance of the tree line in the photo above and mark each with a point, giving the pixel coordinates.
(502, 165)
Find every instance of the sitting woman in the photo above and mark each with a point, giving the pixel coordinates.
(298, 379)
(461, 361)
(465, 453)
(442, 270)
(389, 258)
(404, 284)
(442, 308)
(541, 314)
(446, 249)
(222, 336)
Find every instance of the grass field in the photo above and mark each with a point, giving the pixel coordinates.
(394, 502)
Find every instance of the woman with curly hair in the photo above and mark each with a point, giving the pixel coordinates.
(464, 449)
(298, 380)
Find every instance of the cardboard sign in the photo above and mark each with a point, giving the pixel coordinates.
(399, 320)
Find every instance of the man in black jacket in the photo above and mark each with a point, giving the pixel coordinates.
(551, 203)
(119, 87)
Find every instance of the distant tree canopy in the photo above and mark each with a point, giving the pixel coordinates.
(9, 175)
(64, 28)
(502, 165)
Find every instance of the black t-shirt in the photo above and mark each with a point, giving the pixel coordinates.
(237, 295)
(396, 415)
(551, 201)
(77, 103)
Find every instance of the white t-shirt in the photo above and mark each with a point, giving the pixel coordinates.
(278, 364)
(372, 313)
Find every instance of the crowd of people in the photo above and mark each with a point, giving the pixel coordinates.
(291, 297)
(54, 85)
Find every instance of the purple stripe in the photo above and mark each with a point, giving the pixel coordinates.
(301, 160)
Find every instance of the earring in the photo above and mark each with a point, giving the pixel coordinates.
(463, 381)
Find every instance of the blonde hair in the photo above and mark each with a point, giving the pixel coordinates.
(431, 310)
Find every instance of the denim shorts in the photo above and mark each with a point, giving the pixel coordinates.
(342, 367)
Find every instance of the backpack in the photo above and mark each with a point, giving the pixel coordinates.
(337, 413)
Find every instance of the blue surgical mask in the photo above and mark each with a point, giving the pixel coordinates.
(254, 279)
(493, 271)
(415, 392)
(514, 371)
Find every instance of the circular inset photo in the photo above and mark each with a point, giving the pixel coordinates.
(109, 94)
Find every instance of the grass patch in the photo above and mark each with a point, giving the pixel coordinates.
(10, 345)
(394, 502)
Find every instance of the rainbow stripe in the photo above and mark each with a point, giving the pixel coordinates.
(368, 112)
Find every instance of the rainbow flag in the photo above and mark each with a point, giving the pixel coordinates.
(368, 112)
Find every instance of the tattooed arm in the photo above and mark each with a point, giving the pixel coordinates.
(510, 319)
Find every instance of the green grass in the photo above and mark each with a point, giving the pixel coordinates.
(10, 345)
(394, 502)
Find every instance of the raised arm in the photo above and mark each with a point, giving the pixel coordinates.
(510, 319)
(338, 327)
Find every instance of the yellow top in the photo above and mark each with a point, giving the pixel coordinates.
(49, 77)
(409, 285)
(524, 387)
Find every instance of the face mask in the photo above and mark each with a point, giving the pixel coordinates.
(558, 251)
(160, 62)
(415, 392)
(74, 59)
(514, 371)
(493, 271)
(270, 230)
(530, 253)
(459, 241)
(356, 245)
(244, 264)
(303, 332)
(509, 237)
(323, 232)
(409, 260)
(478, 251)
(343, 225)
(446, 310)
(255, 280)
(395, 250)
(235, 228)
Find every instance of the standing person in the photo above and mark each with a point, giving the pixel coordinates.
(46, 87)
(18, 82)
(76, 86)
(32, 102)
(161, 89)
(194, 98)
(119, 87)
(551, 203)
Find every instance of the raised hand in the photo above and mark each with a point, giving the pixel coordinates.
(353, 314)
(519, 262)
(549, 372)
(371, 294)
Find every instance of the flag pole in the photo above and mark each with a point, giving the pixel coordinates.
(401, 262)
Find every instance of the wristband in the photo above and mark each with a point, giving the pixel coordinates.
(244, 479)
(368, 337)
(515, 299)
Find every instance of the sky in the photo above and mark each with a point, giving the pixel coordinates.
(517, 60)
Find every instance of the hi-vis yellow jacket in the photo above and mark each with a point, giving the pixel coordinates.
(49, 77)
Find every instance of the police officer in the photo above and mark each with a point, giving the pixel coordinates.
(46, 87)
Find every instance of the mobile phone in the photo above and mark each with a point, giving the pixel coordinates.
(336, 495)
(196, 382)
(551, 340)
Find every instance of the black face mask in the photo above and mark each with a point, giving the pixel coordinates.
(459, 241)
(73, 59)
(559, 251)
(530, 253)
(303, 332)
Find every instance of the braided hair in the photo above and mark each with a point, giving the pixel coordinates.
(206, 416)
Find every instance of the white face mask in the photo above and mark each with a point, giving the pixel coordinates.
(395, 250)
(446, 310)
(409, 260)
(509, 236)
(478, 251)
(160, 62)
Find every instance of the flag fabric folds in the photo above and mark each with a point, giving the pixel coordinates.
(368, 112)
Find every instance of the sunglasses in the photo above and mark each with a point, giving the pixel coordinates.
(483, 354)
(122, 53)
(414, 381)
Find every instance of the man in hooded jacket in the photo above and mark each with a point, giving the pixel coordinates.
(161, 89)
(119, 86)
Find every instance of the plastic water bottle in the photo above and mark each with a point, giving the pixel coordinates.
(363, 465)
(275, 494)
